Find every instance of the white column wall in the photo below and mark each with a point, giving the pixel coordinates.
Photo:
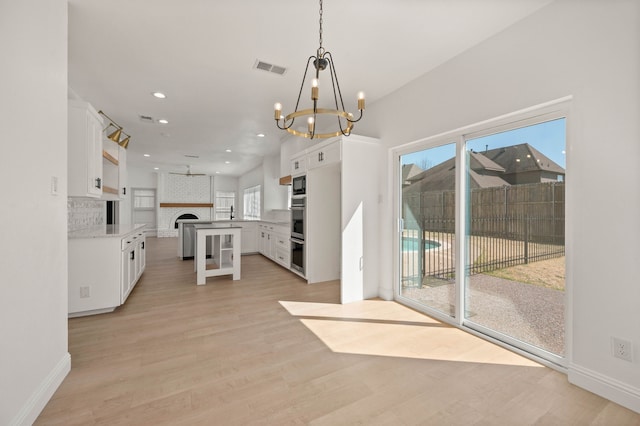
(590, 50)
(33, 266)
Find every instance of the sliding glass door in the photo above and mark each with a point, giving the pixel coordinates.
(427, 242)
(507, 277)
(515, 265)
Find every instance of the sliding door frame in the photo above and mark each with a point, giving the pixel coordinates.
(556, 109)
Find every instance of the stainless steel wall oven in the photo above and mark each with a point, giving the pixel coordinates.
(298, 217)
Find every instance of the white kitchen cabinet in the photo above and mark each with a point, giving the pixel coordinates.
(104, 263)
(342, 223)
(299, 165)
(84, 150)
(114, 166)
(325, 154)
(248, 237)
(275, 243)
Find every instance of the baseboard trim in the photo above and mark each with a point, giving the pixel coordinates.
(33, 407)
(611, 389)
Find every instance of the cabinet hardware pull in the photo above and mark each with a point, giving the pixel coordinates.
(98, 183)
(133, 255)
(143, 245)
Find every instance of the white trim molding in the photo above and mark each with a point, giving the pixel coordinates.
(36, 403)
(605, 386)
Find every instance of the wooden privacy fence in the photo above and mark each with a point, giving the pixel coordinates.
(507, 226)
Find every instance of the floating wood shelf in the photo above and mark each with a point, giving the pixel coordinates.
(109, 157)
(109, 190)
(285, 180)
(207, 205)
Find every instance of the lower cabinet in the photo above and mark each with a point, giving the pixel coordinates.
(132, 263)
(274, 243)
(103, 271)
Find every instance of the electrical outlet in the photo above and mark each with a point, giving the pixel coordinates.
(85, 292)
(622, 349)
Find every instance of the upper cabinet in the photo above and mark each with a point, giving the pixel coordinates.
(84, 150)
(97, 165)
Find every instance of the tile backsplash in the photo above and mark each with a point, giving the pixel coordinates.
(83, 213)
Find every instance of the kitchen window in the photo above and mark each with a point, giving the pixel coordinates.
(225, 201)
(252, 203)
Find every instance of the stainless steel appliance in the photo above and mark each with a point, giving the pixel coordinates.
(299, 185)
(188, 235)
(298, 216)
(297, 255)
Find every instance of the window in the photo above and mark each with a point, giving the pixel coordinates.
(252, 203)
(225, 201)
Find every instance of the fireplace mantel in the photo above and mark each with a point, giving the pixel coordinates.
(181, 205)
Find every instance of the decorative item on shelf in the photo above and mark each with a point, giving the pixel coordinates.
(322, 60)
(116, 135)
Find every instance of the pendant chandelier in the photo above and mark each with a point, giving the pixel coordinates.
(343, 120)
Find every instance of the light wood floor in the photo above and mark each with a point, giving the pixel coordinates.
(271, 350)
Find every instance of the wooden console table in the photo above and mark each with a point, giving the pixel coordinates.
(225, 247)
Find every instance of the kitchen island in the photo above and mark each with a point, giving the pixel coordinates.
(105, 263)
(225, 251)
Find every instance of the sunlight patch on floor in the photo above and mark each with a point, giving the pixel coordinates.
(386, 328)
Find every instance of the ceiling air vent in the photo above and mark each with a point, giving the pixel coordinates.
(147, 119)
(276, 69)
(192, 156)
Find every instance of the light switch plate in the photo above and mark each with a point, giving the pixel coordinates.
(54, 185)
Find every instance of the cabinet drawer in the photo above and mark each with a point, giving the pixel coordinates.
(283, 256)
(282, 242)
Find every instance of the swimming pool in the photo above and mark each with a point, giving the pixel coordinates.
(412, 244)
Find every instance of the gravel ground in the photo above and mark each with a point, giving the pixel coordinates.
(529, 313)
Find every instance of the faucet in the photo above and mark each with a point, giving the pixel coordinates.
(231, 218)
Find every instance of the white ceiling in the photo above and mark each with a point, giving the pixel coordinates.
(201, 54)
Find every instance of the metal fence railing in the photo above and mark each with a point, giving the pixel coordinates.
(493, 243)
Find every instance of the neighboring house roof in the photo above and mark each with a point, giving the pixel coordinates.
(408, 171)
(530, 159)
(488, 169)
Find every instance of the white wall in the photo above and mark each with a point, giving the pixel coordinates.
(275, 195)
(33, 269)
(590, 50)
(227, 183)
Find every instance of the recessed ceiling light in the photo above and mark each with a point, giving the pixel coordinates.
(260, 135)
(159, 95)
(163, 121)
(217, 173)
(227, 150)
(227, 162)
(156, 168)
(146, 155)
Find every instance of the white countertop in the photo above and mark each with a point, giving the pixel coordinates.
(105, 231)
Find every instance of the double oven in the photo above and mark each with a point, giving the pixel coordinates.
(298, 217)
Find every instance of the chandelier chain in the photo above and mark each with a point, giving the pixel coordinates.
(320, 25)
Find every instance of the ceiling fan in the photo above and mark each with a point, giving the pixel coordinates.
(188, 173)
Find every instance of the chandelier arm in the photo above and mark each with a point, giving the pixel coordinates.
(355, 121)
(336, 83)
(304, 77)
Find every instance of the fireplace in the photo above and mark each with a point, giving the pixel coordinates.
(184, 216)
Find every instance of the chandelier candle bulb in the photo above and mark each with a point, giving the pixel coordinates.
(360, 101)
(314, 89)
(278, 110)
(310, 121)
